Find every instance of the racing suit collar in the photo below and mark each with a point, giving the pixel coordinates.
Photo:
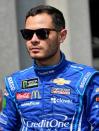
(48, 70)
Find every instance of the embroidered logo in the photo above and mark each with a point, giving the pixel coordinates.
(35, 94)
(61, 81)
(23, 95)
(97, 90)
(30, 83)
(60, 91)
(97, 98)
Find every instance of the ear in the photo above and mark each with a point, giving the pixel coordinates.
(62, 36)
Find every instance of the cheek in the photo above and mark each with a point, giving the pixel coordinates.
(54, 39)
(52, 46)
(54, 43)
(27, 44)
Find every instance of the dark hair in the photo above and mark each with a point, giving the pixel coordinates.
(57, 16)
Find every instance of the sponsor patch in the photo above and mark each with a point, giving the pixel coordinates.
(30, 83)
(6, 92)
(60, 91)
(60, 100)
(50, 121)
(97, 106)
(11, 83)
(97, 98)
(23, 95)
(61, 81)
(31, 103)
(35, 94)
(4, 102)
(97, 89)
(85, 79)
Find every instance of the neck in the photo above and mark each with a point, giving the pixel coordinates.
(49, 62)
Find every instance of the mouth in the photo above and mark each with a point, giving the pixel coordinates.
(34, 50)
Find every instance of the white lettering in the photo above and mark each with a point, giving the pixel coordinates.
(11, 83)
(84, 79)
(30, 104)
(48, 124)
(60, 100)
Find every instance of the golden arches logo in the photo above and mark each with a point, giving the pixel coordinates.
(36, 94)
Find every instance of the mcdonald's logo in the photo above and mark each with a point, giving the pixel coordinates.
(36, 94)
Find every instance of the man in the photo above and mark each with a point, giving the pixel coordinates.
(54, 94)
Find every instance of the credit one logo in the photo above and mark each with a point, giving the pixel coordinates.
(54, 123)
(35, 94)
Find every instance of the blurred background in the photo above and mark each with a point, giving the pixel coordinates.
(82, 23)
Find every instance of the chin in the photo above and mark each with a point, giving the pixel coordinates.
(38, 57)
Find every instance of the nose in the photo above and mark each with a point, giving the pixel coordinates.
(34, 38)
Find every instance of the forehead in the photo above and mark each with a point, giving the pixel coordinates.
(39, 21)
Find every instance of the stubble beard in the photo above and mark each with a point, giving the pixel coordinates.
(45, 57)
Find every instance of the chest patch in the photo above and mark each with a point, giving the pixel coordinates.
(30, 83)
(60, 91)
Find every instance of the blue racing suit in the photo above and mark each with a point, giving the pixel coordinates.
(63, 97)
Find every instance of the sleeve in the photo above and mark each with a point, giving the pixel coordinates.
(92, 107)
(9, 116)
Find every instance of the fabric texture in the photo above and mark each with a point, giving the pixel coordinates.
(63, 97)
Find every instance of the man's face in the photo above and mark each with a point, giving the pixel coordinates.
(40, 49)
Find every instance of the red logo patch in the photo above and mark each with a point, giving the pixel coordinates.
(97, 99)
(23, 95)
(60, 91)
